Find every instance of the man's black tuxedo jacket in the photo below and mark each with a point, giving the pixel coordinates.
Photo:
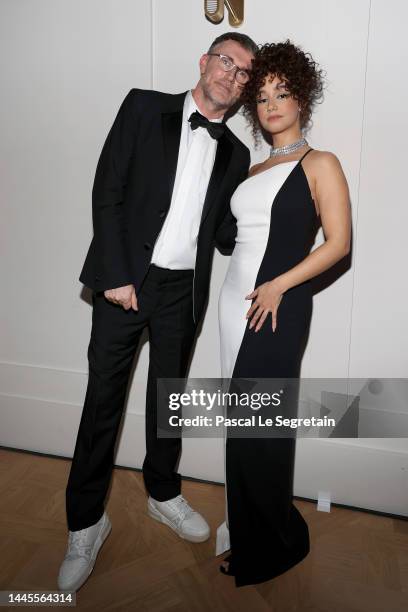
(132, 192)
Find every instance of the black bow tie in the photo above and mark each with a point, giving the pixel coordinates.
(215, 130)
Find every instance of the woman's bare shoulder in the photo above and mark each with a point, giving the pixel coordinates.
(324, 159)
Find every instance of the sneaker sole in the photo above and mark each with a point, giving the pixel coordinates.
(158, 516)
(105, 531)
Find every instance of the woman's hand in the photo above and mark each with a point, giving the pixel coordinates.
(268, 297)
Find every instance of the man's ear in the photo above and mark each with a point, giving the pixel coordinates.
(203, 62)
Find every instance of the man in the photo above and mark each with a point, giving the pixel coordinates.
(160, 199)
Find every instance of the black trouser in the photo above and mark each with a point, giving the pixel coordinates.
(166, 307)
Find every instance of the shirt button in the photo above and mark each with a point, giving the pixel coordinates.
(162, 213)
(147, 246)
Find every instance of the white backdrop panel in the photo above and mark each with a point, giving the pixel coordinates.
(65, 66)
(380, 324)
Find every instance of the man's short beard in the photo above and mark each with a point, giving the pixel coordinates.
(218, 105)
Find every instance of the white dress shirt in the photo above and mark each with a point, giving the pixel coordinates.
(176, 245)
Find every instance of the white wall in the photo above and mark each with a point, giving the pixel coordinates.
(65, 68)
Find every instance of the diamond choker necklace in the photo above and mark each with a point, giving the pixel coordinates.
(287, 149)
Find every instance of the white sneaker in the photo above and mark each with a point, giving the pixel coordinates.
(83, 547)
(179, 516)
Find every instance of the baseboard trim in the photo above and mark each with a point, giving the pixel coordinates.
(213, 482)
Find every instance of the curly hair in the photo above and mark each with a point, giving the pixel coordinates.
(304, 80)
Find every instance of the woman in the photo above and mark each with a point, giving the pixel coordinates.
(278, 210)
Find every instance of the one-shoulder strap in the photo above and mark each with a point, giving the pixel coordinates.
(305, 154)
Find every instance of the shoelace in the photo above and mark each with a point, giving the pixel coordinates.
(183, 509)
(77, 545)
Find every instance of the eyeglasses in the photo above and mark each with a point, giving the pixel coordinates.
(241, 75)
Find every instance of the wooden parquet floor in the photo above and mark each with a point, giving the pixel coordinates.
(358, 561)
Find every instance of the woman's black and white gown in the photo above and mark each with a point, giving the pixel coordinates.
(276, 225)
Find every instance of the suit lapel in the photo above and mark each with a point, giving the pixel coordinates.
(221, 162)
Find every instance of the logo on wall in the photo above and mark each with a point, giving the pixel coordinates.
(214, 11)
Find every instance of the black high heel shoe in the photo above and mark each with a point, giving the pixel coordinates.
(230, 570)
